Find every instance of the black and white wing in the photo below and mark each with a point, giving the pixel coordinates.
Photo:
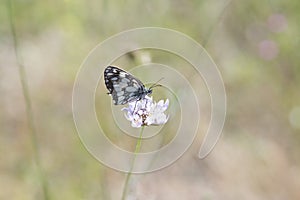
(122, 86)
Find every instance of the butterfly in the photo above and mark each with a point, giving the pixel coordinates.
(124, 87)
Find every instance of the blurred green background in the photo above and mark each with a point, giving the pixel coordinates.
(256, 47)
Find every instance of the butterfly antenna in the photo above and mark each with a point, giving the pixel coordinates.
(155, 84)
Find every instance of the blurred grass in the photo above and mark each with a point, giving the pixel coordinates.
(258, 155)
(28, 103)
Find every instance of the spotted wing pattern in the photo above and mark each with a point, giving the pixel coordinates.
(123, 87)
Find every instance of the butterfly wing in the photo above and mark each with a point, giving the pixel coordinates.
(122, 86)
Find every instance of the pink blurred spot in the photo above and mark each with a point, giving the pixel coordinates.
(277, 23)
(268, 49)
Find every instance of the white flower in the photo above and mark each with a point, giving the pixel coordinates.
(146, 112)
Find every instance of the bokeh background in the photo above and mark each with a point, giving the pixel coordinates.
(256, 47)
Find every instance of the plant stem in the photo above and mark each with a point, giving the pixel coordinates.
(28, 104)
(136, 151)
(212, 29)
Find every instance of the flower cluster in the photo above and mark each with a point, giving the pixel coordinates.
(146, 112)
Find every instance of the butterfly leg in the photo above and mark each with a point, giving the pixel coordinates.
(134, 107)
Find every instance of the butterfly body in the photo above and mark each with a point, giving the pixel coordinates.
(124, 87)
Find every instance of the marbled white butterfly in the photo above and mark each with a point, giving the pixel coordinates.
(124, 87)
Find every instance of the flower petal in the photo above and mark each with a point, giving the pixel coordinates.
(146, 112)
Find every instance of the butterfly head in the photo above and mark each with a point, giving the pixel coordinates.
(149, 91)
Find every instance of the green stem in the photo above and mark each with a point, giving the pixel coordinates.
(29, 112)
(136, 151)
(214, 26)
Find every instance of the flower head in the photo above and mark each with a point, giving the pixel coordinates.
(146, 112)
